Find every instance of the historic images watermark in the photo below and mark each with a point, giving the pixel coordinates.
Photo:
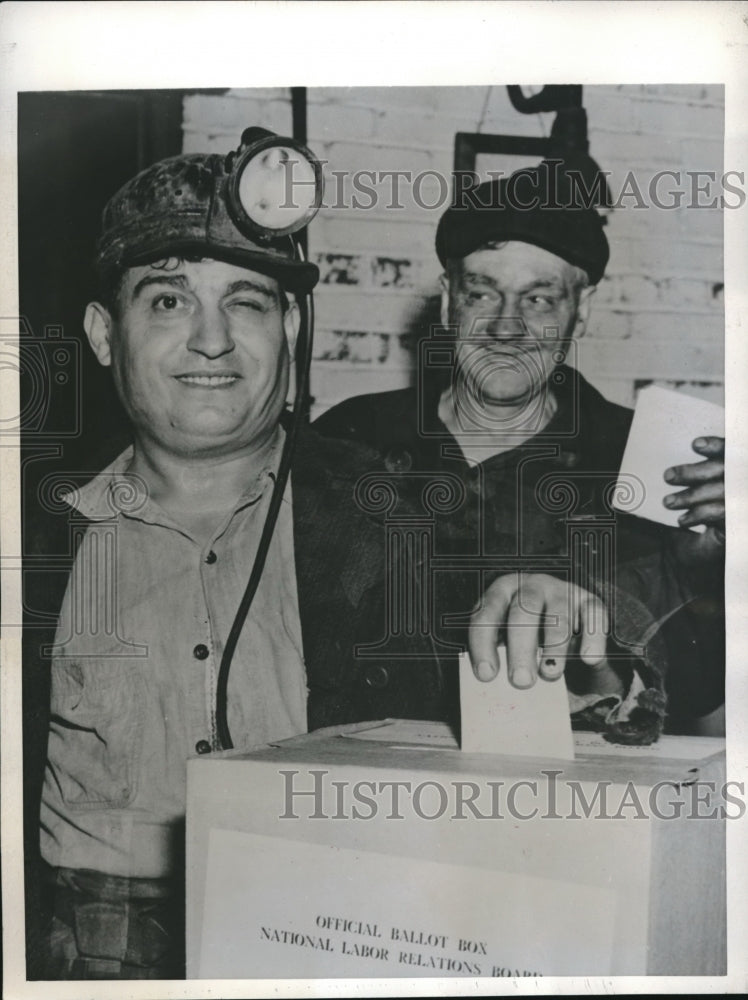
(313, 794)
(432, 190)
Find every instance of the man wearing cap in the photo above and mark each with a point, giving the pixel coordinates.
(538, 450)
(197, 322)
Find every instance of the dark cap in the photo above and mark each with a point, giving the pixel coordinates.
(178, 207)
(539, 205)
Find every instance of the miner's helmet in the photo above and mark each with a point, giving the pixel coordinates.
(244, 209)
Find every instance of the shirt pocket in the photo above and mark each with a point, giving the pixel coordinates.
(96, 730)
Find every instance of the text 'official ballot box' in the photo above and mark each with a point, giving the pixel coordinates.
(382, 850)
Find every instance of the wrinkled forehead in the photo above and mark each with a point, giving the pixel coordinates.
(515, 263)
(204, 274)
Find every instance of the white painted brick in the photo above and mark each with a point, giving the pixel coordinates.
(368, 156)
(650, 359)
(608, 324)
(410, 126)
(687, 258)
(703, 154)
(234, 114)
(607, 292)
(430, 270)
(328, 121)
(629, 255)
(657, 118)
(682, 328)
(608, 108)
(202, 142)
(469, 102)
(680, 292)
(653, 223)
(352, 346)
(691, 93)
(624, 151)
(342, 269)
(512, 123)
(345, 233)
(705, 224)
(705, 121)
(261, 93)
(392, 271)
(638, 290)
(203, 110)
(384, 311)
(464, 100)
(326, 344)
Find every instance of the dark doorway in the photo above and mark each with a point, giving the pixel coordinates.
(74, 151)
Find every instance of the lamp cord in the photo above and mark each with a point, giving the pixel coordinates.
(303, 363)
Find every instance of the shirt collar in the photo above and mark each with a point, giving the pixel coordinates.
(115, 491)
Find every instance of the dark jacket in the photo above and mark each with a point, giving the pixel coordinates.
(529, 507)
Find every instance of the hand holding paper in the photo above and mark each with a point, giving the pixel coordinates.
(704, 499)
(667, 429)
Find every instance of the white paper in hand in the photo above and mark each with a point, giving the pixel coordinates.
(664, 427)
(500, 719)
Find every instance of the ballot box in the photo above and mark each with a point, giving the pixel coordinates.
(382, 850)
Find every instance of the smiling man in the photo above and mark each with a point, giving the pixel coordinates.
(197, 322)
(538, 450)
(200, 356)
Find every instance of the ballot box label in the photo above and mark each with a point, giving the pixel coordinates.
(277, 908)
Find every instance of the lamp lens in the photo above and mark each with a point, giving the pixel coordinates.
(277, 188)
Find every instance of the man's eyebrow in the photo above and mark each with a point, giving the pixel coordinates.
(473, 276)
(555, 283)
(175, 280)
(245, 285)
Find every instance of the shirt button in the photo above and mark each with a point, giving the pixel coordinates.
(200, 652)
(377, 677)
(202, 746)
(398, 460)
(211, 557)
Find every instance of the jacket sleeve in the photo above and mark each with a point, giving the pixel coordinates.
(685, 604)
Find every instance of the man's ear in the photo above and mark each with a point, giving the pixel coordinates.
(98, 323)
(444, 285)
(291, 323)
(583, 311)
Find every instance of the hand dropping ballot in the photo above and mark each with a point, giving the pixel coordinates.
(665, 425)
(498, 718)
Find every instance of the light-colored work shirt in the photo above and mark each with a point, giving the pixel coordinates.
(137, 652)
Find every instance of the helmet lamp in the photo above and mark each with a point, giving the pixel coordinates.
(275, 185)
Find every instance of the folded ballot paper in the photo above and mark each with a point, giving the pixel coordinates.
(664, 427)
(497, 718)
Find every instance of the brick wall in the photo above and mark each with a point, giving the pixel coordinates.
(658, 313)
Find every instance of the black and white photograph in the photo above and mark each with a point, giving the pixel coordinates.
(370, 620)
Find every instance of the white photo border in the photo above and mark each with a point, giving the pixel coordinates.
(152, 45)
